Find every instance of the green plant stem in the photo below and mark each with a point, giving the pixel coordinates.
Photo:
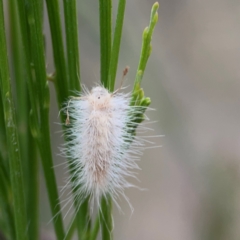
(43, 133)
(12, 138)
(146, 45)
(33, 190)
(138, 98)
(70, 13)
(35, 121)
(6, 202)
(95, 229)
(83, 220)
(116, 45)
(106, 218)
(28, 148)
(25, 75)
(7, 218)
(61, 78)
(26, 59)
(22, 105)
(105, 14)
(3, 140)
(71, 27)
(71, 229)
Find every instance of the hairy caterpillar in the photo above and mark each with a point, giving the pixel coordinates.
(101, 142)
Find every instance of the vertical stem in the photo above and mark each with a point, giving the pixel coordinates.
(106, 218)
(3, 140)
(24, 75)
(28, 147)
(105, 14)
(116, 45)
(18, 69)
(33, 190)
(71, 28)
(61, 79)
(43, 132)
(6, 203)
(70, 14)
(83, 220)
(71, 229)
(26, 59)
(12, 138)
(146, 45)
(95, 229)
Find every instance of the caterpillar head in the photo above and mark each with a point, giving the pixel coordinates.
(99, 98)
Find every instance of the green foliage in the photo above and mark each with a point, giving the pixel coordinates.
(15, 163)
(24, 129)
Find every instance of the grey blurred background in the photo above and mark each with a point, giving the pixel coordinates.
(192, 78)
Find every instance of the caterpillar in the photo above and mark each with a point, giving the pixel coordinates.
(101, 142)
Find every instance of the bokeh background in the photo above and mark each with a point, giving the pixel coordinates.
(193, 79)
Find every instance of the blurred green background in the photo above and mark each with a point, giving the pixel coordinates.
(192, 77)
